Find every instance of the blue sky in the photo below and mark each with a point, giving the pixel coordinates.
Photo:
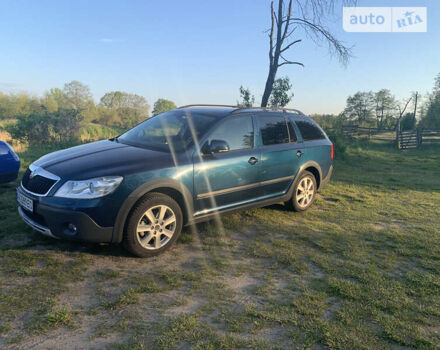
(198, 51)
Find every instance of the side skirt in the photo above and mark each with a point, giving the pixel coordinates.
(259, 204)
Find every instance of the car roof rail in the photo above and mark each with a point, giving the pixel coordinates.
(238, 108)
(207, 105)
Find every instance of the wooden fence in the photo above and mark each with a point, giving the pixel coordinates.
(402, 139)
(360, 132)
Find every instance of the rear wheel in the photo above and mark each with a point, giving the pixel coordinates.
(154, 225)
(303, 193)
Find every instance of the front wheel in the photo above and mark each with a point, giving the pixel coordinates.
(303, 193)
(154, 225)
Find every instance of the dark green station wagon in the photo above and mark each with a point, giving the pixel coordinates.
(177, 168)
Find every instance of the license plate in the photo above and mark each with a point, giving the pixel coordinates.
(24, 201)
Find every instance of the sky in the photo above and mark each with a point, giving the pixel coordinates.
(199, 51)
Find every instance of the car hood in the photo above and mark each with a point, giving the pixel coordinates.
(102, 158)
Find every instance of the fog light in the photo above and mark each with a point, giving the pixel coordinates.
(72, 228)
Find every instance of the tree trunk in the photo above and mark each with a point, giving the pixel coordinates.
(269, 85)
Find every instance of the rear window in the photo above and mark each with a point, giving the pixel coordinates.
(273, 130)
(309, 130)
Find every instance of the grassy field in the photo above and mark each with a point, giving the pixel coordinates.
(360, 270)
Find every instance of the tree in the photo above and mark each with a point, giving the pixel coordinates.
(281, 95)
(385, 104)
(247, 99)
(402, 106)
(408, 122)
(360, 106)
(113, 99)
(163, 105)
(131, 108)
(432, 117)
(12, 105)
(77, 96)
(308, 16)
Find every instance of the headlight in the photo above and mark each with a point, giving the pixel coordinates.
(89, 189)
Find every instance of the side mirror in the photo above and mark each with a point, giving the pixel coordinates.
(216, 146)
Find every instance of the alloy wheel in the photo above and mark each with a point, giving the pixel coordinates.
(305, 192)
(156, 227)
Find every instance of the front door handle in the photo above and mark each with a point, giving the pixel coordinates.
(299, 153)
(252, 160)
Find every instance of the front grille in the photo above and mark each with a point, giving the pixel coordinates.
(38, 184)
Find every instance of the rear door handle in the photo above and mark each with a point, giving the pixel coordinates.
(252, 160)
(299, 153)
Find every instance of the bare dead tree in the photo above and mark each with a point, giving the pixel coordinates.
(308, 16)
(402, 110)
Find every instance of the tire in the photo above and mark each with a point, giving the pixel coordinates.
(302, 201)
(145, 233)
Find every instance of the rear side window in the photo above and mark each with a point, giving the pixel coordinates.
(273, 130)
(309, 130)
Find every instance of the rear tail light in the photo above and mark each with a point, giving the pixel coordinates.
(332, 154)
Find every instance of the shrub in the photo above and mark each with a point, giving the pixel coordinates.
(47, 127)
(340, 144)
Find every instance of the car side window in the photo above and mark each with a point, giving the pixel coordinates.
(273, 129)
(309, 131)
(237, 132)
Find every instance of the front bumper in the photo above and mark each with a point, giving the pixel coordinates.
(58, 223)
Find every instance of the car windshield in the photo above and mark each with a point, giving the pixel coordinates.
(174, 130)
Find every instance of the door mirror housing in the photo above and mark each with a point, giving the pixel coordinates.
(216, 146)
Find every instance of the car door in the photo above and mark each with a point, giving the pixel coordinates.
(225, 178)
(280, 153)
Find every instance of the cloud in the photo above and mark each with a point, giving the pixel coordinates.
(9, 85)
(106, 40)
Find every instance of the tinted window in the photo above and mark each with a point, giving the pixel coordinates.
(309, 130)
(238, 132)
(292, 132)
(273, 130)
(173, 130)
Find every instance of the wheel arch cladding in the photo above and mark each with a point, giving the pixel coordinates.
(316, 173)
(176, 190)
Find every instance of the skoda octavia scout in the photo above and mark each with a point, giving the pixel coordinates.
(174, 169)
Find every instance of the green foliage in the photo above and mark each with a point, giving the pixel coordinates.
(246, 98)
(281, 94)
(432, 118)
(332, 124)
(408, 122)
(122, 109)
(340, 144)
(46, 127)
(100, 132)
(77, 96)
(330, 121)
(18, 104)
(360, 107)
(163, 105)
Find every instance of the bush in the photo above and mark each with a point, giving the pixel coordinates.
(47, 127)
(340, 144)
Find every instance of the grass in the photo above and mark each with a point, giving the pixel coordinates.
(360, 270)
